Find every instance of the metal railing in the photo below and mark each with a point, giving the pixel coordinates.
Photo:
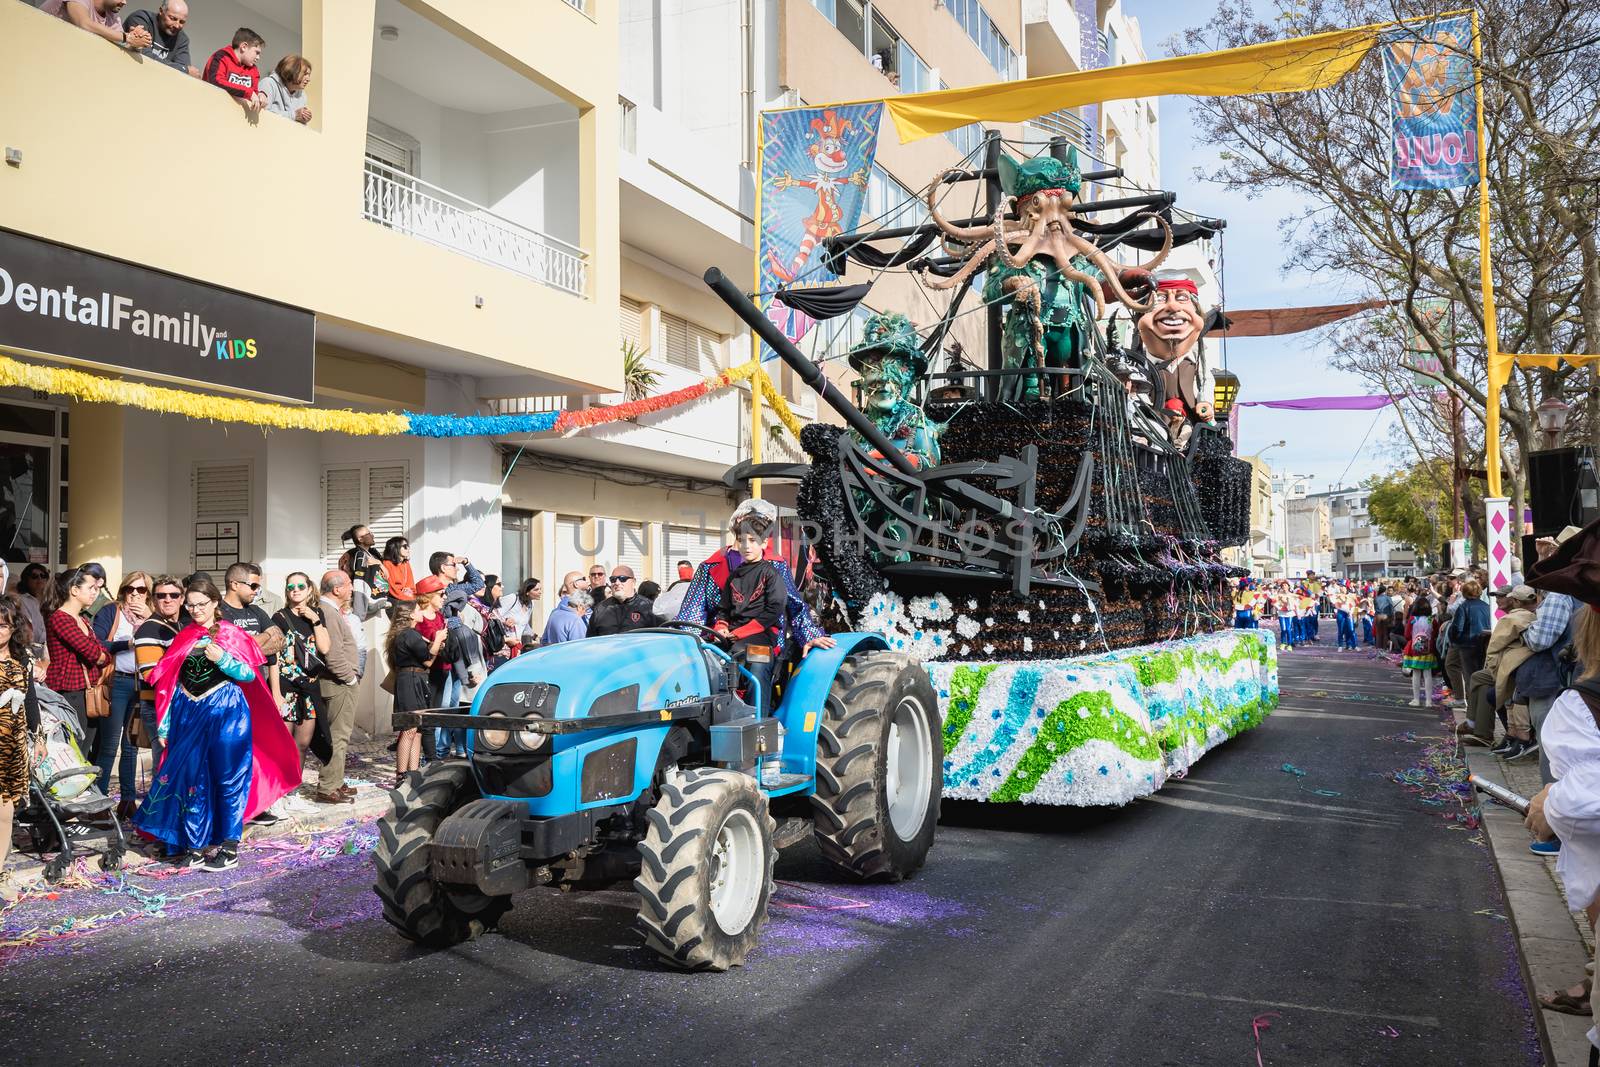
(1066, 124)
(395, 199)
(580, 5)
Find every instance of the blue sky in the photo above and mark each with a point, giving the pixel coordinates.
(1320, 444)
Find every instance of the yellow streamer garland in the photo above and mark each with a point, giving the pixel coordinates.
(780, 406)
(97, 390)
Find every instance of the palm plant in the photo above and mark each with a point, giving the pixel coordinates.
(639, 379)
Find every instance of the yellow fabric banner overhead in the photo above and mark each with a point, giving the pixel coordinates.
(1291, 66)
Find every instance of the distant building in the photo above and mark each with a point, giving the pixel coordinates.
(1360, 548)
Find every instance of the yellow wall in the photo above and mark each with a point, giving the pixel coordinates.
(95, 500)
(127, 160)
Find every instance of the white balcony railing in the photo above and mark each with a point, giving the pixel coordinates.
(1068, 124)
(398, 200)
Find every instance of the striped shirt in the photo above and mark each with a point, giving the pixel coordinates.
(150, 643)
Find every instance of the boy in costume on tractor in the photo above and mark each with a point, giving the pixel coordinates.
(703, 602)
(754, 597)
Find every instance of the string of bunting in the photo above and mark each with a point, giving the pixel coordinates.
(91, 388)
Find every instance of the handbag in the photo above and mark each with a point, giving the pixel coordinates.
(138, 733)
(97, 697)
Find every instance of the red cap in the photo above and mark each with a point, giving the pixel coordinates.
(1178, 283)
(431, 584)
(1174, 405)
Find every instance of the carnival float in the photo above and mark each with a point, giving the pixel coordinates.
(1043, 529)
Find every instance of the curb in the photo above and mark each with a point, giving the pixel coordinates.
(1549, 945)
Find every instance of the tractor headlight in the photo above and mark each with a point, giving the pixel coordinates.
(495, 739)
(527, 740)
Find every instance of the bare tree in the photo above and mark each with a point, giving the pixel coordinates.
(1542, 117)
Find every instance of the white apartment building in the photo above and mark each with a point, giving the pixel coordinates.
(1360, 548)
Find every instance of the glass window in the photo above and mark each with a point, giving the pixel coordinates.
(852, 22)
(884, 50)
(827, 9)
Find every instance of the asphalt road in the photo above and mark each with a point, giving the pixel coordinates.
(1150, 935)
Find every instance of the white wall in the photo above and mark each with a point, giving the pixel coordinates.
(682, 58)
(532, 161)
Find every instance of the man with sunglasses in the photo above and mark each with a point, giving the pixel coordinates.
(243, 585)
(624, 609)
(598, 586)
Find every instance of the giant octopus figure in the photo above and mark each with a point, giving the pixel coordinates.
(1038, 265)
(1170, 332)
(889, 362)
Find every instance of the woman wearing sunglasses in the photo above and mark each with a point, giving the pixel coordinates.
(227, 757)
(150, 643)
(305, 650)
(115, 625)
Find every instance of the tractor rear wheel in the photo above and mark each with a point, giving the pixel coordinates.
(706, 873)
(879, 767)
(415, 904)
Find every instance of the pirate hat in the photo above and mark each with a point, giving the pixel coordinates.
(1575, 567)
(888, 335)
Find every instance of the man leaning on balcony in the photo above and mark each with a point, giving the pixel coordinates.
(99, 17)
(169, 40)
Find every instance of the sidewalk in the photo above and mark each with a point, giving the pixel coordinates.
(369, 769)
(1553, 942)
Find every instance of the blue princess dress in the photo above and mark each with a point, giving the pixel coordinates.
(201, 787)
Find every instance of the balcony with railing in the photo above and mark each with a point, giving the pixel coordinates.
(409, 205)
(1069, 124)
(1054, 37)
(470, 155)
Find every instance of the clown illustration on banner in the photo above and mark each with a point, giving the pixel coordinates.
(1434, 113)
(814, 167)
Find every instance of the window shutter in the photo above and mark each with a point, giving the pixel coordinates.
(341, 503)
(631, 547)
(705, 347)
(569, 554)
(633, 323)
(685, 542)
(675, 342)
(386, 502)
(221, 516)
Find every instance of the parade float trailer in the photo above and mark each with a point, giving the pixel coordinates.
(1044, 533)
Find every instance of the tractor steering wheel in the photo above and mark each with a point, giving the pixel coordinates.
(716, 637)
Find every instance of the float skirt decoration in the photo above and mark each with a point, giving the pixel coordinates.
(1100, 730)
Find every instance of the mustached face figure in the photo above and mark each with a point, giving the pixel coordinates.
(1172, 326)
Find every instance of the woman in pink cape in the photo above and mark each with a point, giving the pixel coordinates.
(227, 755)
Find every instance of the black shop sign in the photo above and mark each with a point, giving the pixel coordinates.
(82, 308)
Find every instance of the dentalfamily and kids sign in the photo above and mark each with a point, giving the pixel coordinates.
(83, 308)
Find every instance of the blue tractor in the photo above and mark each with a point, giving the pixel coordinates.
(642, 756)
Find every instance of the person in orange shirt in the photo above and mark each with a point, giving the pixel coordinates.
(397, 567)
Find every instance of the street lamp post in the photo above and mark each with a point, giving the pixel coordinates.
(1552, 414)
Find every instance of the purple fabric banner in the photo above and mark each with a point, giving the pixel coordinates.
(1324, 403)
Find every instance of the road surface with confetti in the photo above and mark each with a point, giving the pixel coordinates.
(1314, 893)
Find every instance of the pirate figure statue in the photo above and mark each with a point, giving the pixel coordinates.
(1170, 332)
(889, 363)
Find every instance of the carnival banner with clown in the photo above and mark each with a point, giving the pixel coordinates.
(814, 167)
(1433, 108)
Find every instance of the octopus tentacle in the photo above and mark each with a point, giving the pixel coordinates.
(1166, 245)
(1091, 284)
(1109, 269)
(960, 233)
(980, 256)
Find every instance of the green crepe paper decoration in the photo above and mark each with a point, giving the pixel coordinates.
(1064, 730)
(1163, 668)
(965, 684)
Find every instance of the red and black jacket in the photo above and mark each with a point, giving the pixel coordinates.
(225, 71)
(753, 601)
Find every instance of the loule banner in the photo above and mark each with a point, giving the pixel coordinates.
(1433, 105)
(815, 164)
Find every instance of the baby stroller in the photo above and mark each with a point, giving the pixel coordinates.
(65, 809)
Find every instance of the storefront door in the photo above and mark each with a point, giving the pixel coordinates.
(31, 514)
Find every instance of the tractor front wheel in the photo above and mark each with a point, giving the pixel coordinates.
(706, 872)
(415, 904)
(879, 767)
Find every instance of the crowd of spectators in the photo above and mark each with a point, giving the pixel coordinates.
(161, 36)
(446, 633)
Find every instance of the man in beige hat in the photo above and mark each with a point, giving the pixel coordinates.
(1491, 686)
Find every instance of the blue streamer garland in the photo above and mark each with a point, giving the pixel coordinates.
(425, 425)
